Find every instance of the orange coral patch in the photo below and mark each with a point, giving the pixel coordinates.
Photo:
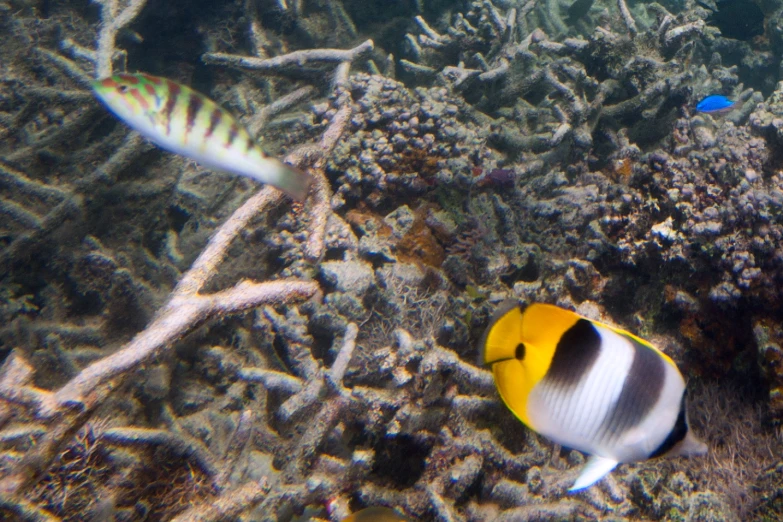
(624, 167)
(361, 217)
(420, 246)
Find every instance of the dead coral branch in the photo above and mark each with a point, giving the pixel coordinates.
(293, 60)
(64, 411)
(186, 309)
(114, 20)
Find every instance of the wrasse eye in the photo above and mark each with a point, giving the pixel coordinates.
(122, 89)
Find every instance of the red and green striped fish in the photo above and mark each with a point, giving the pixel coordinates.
(181, 120)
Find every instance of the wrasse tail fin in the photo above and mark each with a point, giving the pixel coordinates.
(289, 179)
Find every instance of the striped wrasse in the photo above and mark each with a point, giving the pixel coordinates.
(183, 121)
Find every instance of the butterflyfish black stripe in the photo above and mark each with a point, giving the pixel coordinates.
(194, 105)
(678, 433)
(641, 390)
(574, 356)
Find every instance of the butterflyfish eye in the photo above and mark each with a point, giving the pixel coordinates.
(519, 353)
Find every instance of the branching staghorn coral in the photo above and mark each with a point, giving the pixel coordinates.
(551, 96)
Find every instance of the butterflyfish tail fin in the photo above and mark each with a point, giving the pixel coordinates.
(690, 445)
(595, 469)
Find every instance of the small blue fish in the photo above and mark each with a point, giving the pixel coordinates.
(715, 103)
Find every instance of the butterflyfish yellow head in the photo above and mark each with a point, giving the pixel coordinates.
(519, 347)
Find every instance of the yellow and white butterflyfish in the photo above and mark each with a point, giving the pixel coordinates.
(183, 121)
(588, 386)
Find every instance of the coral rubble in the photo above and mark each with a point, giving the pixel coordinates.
(179, 345)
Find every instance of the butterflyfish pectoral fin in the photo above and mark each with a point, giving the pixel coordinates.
(595, 469)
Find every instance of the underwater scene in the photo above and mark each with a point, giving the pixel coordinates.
(391, 260)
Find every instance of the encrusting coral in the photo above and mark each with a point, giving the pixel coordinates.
(182, 346)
